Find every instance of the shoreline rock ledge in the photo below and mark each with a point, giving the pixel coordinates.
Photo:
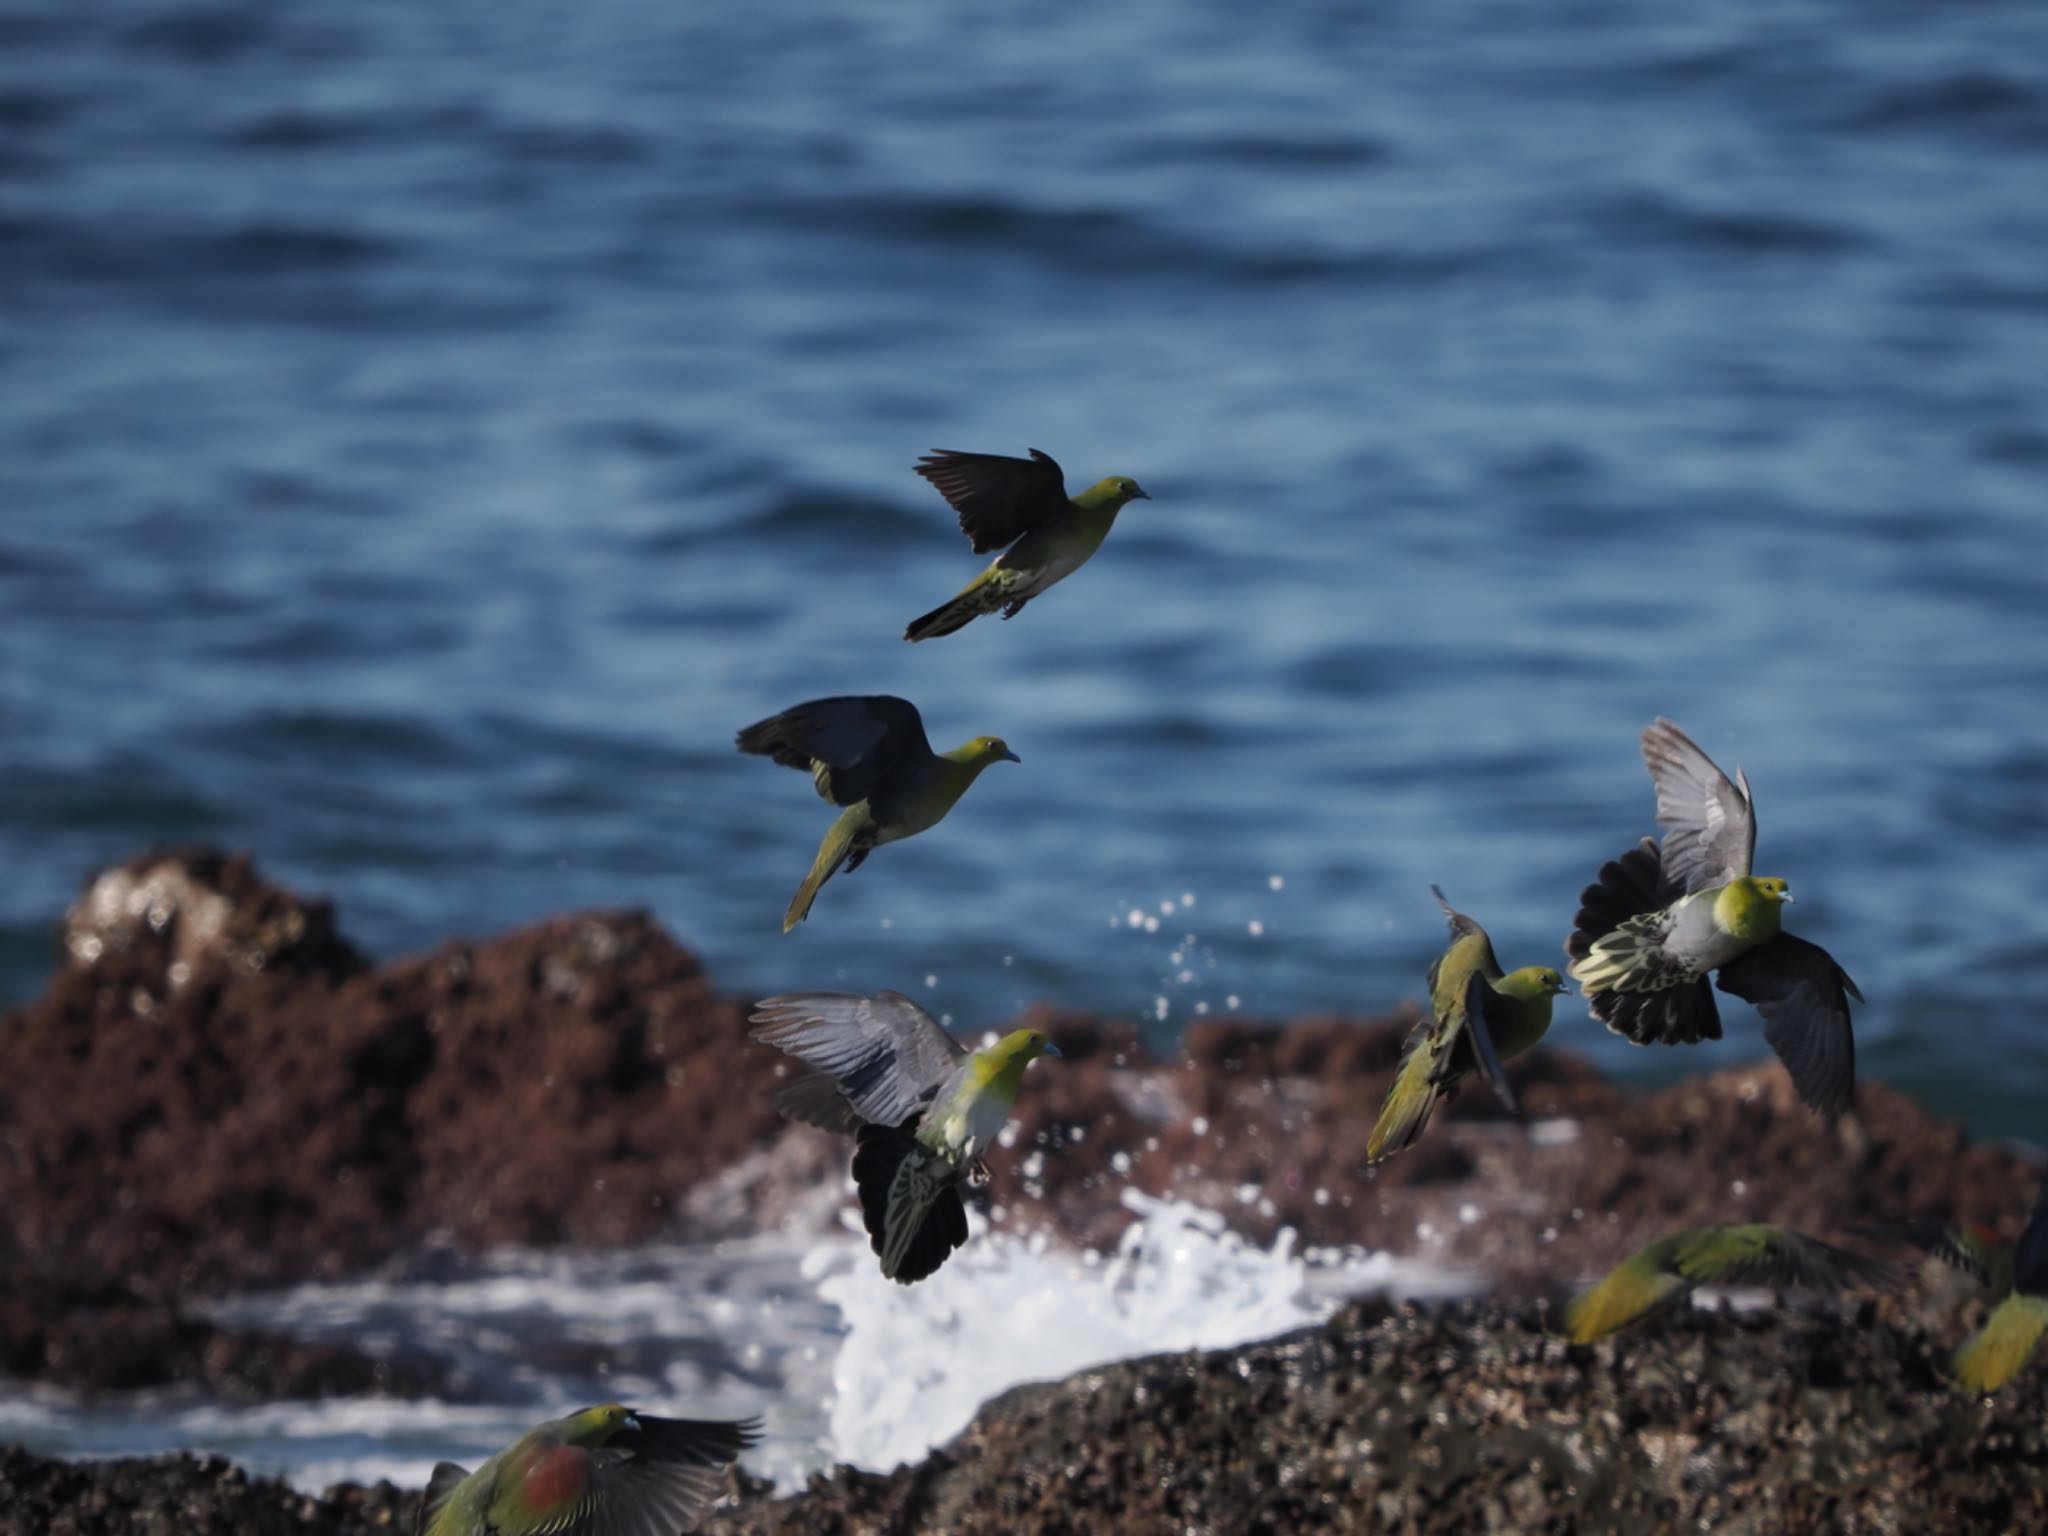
(1463, 1419)
(216, 1092)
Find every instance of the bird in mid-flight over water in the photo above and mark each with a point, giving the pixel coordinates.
(868, 753)
(1659, 919)
(1021, 503)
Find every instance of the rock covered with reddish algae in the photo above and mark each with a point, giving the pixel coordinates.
(217, 1091)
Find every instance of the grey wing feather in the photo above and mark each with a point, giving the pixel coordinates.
(886, 1054)
(1460, 924)
(1480, 1000)
(660, 1478)
(854, 744)
(1804, 999)
(1795, 1259)
(813, 1097)
(1709, 824)
(999, 498)
(2030, 1254)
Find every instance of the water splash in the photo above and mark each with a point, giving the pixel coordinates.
(918, 1361)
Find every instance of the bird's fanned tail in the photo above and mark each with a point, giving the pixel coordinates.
(1630, 887)
(909, 1203)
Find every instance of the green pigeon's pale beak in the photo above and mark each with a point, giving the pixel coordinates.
(1139, 495)
(630, 1421)
(1784, 895)
(1053, 1050)
(1007, 756)
(1562, 987)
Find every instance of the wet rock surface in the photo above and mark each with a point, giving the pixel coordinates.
(180, 1496)
(1469, 1420)
(1453, 1420)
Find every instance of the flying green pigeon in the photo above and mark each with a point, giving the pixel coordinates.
(1658, 920)
(603, 1471)
(1022, 503)
(1667, 1271)
(922, 1109)
(1478, 1019)
(868, 753)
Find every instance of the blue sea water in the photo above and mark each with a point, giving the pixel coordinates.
(427, 433)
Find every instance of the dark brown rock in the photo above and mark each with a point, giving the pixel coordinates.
(104, 1338)
(181, 1496)
(1414, 1421)
(1466, 1421)
(183, 1114)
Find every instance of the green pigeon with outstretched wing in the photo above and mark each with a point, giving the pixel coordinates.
(602, 1471)
(1660, 919)
(869, 754)
(1022, 503)
(921, 1107)
(1670, 1269)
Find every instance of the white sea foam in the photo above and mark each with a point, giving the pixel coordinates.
(842, 1364)
(917, 1361)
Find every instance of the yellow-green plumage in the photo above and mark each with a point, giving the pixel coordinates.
(1742, 1254)
(1022, 503)
(2008, 1339)
(1663, 918)
(1479, 1017)
(602, 1471)
(2006, 1342)
(921, 1108)
(869, 755)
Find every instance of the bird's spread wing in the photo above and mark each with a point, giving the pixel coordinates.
(854, 744)
(660, 1478)
(2030, 1256)
(1804, 998)
(440, 1488)
(999, 499)
(1776, 1256)
(1463, 927)
(813, 1097)
(886, 1054)
(1956, 1246)
(1709, 827)
(1485, 1012)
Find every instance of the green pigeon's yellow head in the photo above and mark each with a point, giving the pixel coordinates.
(984, 750)
(1023, 1046)
(1532, 981)
(594, 1426)
(1113, 491)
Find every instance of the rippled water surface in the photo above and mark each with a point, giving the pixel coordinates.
(428, 432)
